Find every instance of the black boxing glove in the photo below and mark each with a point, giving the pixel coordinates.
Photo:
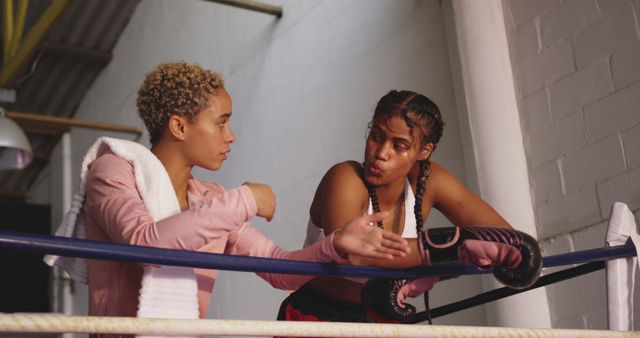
(515, 256)
(383, 298)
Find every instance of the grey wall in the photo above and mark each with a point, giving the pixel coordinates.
(577, 71)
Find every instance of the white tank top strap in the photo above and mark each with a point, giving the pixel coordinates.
(409, 230)
(314, 234)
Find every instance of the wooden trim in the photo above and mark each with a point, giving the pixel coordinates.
(31, 128)
(253, 6)
(67, 122)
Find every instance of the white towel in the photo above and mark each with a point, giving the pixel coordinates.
(166, 292)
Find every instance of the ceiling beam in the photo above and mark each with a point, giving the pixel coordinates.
(19, 26)
(84, 53)
(7, 28)
(33, 41)
(253, 6)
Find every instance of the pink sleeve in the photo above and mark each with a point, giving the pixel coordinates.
(115, 205)
(248, 241)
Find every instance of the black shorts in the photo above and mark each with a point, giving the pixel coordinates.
(309, 304)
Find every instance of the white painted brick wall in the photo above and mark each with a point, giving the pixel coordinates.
(558, 61)
(555, 140)
(523, 11)
(565, 19)
(580, 88)
(533, 81)
(579, 100)
(601, 38)
(526, 40)
(624, 65)
(536, 114)
(549, 65)
(623, 187)
(586, 313)
(577, 302)
(593, 163)
(631, 144)
(547, 183)
(569, 212)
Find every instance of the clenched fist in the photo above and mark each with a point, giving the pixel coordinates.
(265, 199)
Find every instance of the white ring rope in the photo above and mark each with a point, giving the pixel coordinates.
(53, 323)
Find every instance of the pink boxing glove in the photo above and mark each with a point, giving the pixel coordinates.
(383, 298)
(514, 256)
(486, 254)
(416, 288)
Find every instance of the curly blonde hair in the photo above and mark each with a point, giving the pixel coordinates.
(177, 88)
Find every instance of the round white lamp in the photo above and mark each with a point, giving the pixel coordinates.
(15, 151)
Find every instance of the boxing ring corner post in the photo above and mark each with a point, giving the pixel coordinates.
(620, 272)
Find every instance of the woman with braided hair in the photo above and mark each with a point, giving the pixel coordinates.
(396, 176)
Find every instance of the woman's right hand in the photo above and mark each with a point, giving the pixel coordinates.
(265, 199)
(361, 237)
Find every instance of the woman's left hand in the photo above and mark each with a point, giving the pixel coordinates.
(361, 237)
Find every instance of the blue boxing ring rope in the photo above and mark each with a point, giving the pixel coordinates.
(91, 249)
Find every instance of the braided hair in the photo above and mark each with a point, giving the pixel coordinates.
(421, 113)
(417, 111)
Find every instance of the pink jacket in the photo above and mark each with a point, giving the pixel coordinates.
(216, 222)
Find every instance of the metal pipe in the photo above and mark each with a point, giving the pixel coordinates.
(32, 42)
(253, 6)
(65, 283)
(67, 122)
(7, 29)
(19, 26)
